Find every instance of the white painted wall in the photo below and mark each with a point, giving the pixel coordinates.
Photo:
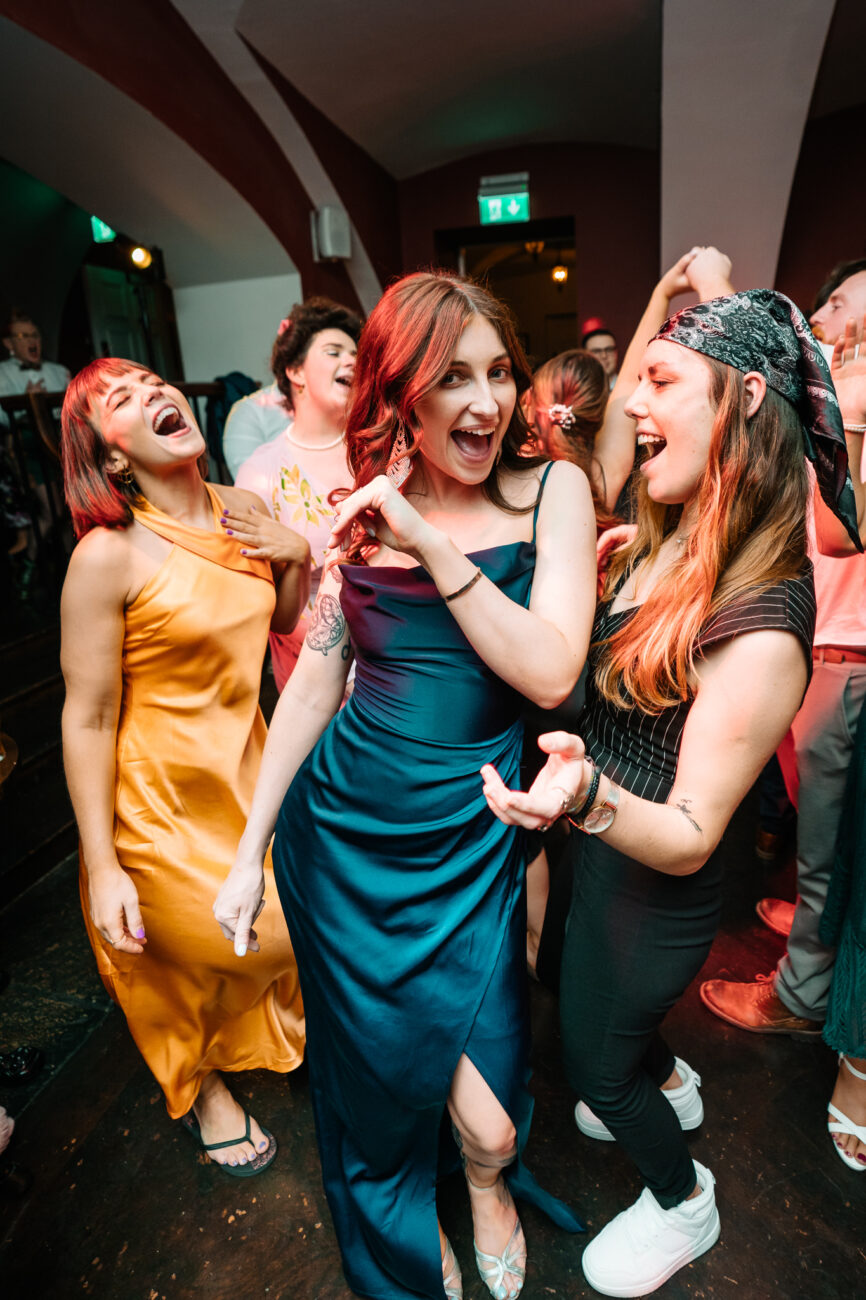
(232, 326)
(737, 78)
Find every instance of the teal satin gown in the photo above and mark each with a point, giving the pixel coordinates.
(406, 905)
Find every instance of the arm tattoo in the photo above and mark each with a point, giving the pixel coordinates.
(685, 807)
(327, 625)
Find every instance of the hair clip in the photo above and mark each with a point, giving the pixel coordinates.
(561, 415)
(284, 325)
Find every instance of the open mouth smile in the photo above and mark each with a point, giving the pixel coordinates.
(473, 444)
(652, 443)
(168, 420)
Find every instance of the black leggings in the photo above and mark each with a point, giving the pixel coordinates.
(635, 939)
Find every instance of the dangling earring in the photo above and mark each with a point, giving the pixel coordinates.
(401, 462)
(124, 476)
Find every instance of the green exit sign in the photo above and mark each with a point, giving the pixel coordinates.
(498, 209)
(102, 233)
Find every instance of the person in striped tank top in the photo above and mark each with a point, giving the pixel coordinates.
(700, 657)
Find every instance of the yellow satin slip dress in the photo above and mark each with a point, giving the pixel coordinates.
(189, 743)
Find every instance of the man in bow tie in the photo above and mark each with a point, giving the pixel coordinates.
(24, 370)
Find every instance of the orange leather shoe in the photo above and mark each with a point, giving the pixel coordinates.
(756, 1007)
(776, 914)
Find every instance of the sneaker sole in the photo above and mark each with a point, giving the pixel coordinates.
(647, 1287)
(807, 1035)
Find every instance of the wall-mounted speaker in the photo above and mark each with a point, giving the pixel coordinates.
(332, 234)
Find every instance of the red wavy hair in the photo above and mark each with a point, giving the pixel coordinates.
(96, 499)
(406, 346)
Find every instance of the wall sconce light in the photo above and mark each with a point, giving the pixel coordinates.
(559, 275)
(142, 257)
(534, 247)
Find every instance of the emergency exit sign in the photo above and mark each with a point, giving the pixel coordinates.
(503, 199)
(498, 209)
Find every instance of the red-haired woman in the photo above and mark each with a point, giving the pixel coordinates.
(472, 583)
(701, 654)
(164, 626)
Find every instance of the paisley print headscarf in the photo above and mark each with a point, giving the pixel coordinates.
(762, 330)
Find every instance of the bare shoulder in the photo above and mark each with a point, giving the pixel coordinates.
(239, 498)
(100, 566)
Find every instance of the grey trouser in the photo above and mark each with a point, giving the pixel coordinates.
(823, 733)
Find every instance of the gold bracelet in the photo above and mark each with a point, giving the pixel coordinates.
(467, 586)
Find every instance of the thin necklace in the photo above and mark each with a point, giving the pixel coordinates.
(681, 541)
(308, 446)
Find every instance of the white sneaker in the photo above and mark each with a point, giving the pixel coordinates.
(686, 1101)
(645, 1245)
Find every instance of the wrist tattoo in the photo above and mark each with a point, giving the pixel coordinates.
(327, 625)
(685, 807)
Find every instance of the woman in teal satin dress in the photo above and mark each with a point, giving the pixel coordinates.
(467, 581)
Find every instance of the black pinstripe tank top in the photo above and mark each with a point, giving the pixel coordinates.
(639, 751)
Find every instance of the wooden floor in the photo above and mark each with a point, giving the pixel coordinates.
(123, 1205)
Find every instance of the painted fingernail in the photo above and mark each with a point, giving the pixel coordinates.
(230, 533)
(240, 949)
(862, 1159)
(243, 552)
(139, 934)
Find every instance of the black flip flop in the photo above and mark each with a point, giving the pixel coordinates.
(252, 1167)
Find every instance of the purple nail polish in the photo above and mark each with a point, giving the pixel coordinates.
(230, 533)
(862, 1159)
(263, 1145)
(139, 934)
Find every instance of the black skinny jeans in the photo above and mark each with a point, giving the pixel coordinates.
(635, 939)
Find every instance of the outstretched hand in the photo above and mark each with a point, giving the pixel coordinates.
(238, 904)
(559, 781)
(385, 515)
(262, 537)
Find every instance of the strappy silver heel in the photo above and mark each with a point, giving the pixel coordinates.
(452, 1278)
(493, 1269)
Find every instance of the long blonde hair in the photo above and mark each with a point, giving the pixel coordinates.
(750, 532)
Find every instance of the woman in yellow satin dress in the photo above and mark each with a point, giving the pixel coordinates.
(164, 628)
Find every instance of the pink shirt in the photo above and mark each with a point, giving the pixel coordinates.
(294, 483)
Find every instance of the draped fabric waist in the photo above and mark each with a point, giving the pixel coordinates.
(417, 701)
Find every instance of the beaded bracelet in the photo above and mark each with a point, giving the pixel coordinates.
(854, 428)
(576, 815)
(467, 586)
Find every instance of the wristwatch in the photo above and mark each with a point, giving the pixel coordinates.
(601, 817)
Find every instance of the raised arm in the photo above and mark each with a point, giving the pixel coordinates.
(540, 650)
(705, 271)
(849, 378)
(749, 690)
(91, 612)
(310, 699)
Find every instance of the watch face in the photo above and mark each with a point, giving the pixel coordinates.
(599, 819)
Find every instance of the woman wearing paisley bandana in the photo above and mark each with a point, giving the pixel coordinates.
(701, 655)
